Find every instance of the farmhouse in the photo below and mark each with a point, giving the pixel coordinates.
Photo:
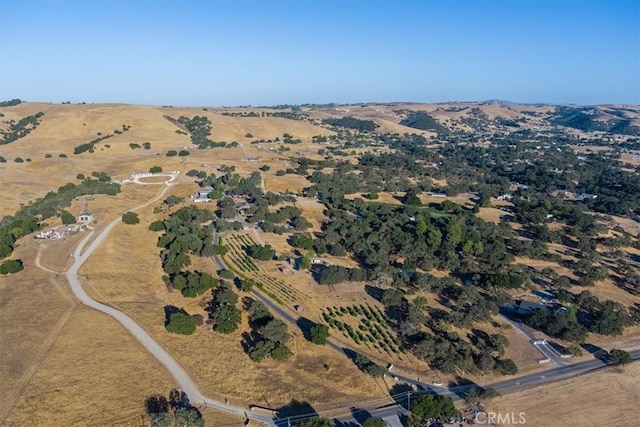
(526, 307)
(85, 217)
(202, 196)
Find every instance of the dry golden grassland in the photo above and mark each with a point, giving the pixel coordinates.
(64, 127)
(493, 215)
(608, 397)
(33, 310)
(133, 284)
(68, 365)
(95, 374)
(64, 364)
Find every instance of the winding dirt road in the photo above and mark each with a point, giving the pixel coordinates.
(179, 374)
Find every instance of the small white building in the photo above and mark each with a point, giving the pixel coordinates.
(202, 196)
(85, 217)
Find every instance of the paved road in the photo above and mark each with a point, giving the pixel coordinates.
(542, 348)
(391, 413)
(179, 374)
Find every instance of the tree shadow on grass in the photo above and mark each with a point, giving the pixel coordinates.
(297, 408)
(305, 326)
(374, 292)
(169, 310)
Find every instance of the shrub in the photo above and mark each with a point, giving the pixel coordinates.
(227, 274)
(147, 145)
(171, 153)
(247, 284)
(618, 357)
(156, 226)
(18, 160)
(183, 153)
(155, 169)
(67, 218)
(130, 218)
(48, 156)
(319, 334)
(281, 353)
(181, 323)
(133, 145)
(11, 266)
(62, 155)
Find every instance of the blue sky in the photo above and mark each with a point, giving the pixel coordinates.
(265, 52)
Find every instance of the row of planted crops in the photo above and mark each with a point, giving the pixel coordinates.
(364, 325)
(245, 266)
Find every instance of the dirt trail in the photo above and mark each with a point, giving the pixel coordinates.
(179, 374)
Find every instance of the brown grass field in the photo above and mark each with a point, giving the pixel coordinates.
(610, 397)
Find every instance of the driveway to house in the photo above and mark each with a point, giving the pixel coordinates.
(179, 374)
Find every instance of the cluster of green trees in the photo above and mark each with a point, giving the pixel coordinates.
(11, 266)
(366, 365)
(125, 128)
(602, 317)
(184, 234)
(352, 123)
(193, 283)
(222, 309)
(11, 102)
(263, 253)
(200, 129)
(429, 407)
(174, 411)
(269, 335)
(173, 153)
(378, 234)
(446, 350)
(588, 314)
(334, 274)
(90, 146)
(232, 184)
(19, 129)
(180, 322)
(423, 121)
(135, 145)
(28, 218)
(278, 222)
(583, 118)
